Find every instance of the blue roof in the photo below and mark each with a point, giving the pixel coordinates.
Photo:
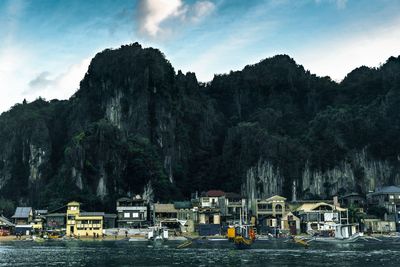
(387, 190)
(22, 212)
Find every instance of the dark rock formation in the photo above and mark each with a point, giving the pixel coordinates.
(271, 128)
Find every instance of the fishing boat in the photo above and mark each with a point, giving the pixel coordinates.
(341, 233)
(244, 236)
(158, 234)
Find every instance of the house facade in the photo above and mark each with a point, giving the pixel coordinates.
(132, 212)
(23, 216)
(83, 224)
(231, 206)
(269, 213)
(321, 216)
(387, 197)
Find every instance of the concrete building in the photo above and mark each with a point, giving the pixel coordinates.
(186, 215)
(210, 199)
(85, 224)
(231, 205)
(132, 212)
(387, 197)
(23, 216)
(378, 226)
(290, 223)
(56, 221)
(269, 213)
(164, 211)
(321, 216)
(353, 200)
(6, 226)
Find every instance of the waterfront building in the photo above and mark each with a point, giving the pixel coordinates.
(378, 226)
(40, 213)
(290, 223)
(231, 205)
(186, 215)
(23, 216)
(210, 199)
(56, 221)
(321, 216)
(387, 197)
(164, 212)
(109, 220)
(353, 200)
(269, 213)
(132, 212)
(6, 226)
(83, 224)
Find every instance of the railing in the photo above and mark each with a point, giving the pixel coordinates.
(235, 203)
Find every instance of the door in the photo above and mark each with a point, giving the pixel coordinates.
(292, 227)
(71, 229)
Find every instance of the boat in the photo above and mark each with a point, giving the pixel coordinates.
(244, 236)
(158, 234)
(341, 233)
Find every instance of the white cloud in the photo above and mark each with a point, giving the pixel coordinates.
(155, 17)
(60, 86)
(337, 56)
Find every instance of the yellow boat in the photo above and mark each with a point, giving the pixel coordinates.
(244, 236)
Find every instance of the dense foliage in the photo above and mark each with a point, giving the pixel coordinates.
(135, 120)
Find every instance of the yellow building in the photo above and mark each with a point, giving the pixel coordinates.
(83, 224)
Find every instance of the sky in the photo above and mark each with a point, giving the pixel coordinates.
(46, 45)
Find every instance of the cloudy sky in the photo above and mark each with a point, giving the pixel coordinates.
(46, 45)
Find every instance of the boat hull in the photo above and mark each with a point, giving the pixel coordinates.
(242, 243)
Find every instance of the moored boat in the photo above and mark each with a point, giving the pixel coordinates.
(244, 236)
(342, 233)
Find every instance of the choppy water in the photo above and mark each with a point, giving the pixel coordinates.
(265, 253)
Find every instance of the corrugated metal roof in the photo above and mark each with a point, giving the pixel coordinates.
(312, 206)
(164, 208)
(183, 205)
(5, 221)
(22, 212)
(387, 190)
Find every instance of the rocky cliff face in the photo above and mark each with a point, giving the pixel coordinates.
(135, 125)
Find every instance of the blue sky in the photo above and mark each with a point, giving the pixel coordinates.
(46, 45)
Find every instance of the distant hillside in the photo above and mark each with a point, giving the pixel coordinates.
(272, 128)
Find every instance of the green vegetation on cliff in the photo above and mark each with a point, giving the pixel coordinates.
(135, 120)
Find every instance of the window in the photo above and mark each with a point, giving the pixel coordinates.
(391, 197)
(135, 215)
(127, 215)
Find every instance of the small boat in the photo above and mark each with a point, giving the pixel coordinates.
(244, 236)
(342, 233)
(158, 234)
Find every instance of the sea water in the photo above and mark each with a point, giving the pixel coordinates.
(262, 253)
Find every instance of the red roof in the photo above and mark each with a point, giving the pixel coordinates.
(215, 193)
